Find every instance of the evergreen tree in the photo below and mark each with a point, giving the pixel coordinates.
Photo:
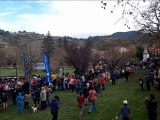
(48, 45)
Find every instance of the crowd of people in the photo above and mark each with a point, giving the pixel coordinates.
(87, 86)
(152, 77)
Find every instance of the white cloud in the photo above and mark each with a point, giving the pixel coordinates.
(5, 14)
(71, 18)
(8, 26)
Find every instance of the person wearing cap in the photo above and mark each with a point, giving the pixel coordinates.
(124, 110)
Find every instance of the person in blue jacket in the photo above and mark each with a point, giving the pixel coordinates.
(54, 105)
(78, 86)
(20, 102)
(125, 111)
(113, 78)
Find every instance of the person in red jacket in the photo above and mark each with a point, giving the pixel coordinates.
(92, 100)
(80, 100)
(102, 81)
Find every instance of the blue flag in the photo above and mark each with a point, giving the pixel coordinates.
(47, 68)
(25, 64)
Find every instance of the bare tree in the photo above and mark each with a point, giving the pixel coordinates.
(148, 18)
(58, 57)
(95, 58)
(150, 21)
(128, 9)
(79, 57)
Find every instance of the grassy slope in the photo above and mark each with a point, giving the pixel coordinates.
(20, 72)
(107, 106)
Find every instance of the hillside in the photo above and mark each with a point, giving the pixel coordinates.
(129, 34)
(22, 37)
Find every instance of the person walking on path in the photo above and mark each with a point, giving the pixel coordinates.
(125, 111)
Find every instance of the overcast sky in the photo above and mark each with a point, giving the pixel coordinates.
(71, 18)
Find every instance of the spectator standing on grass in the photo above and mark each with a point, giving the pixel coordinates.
(151, 73)
(71, 83)
(37, 97)
(26, 101)
(20, 102)
(113, 78)
(53, 76)
(34, 98)
(141, 79)
(14, 94)
(151, 104)
(92, 100)
(4, 100)
(47, 96)
(126, 73)
(125, 111)
(85, 93)
(43, 96)
(55, 105)
(78, 86)
(148, 79)
(80, 100)
(98, 88)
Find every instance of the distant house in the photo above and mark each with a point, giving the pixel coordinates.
(121, 49)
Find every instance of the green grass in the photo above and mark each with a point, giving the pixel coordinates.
(107, 106)
(20, 72)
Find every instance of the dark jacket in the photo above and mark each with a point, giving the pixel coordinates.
(152, 109)
(55, 104)
(125, 111)
(113, 76)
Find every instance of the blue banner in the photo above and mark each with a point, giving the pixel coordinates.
(47, 68)
(25, 64)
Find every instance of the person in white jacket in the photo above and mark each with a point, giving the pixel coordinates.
(43, 98)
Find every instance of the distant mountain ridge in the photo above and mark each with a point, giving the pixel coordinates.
(129, 34)
(24, 37)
